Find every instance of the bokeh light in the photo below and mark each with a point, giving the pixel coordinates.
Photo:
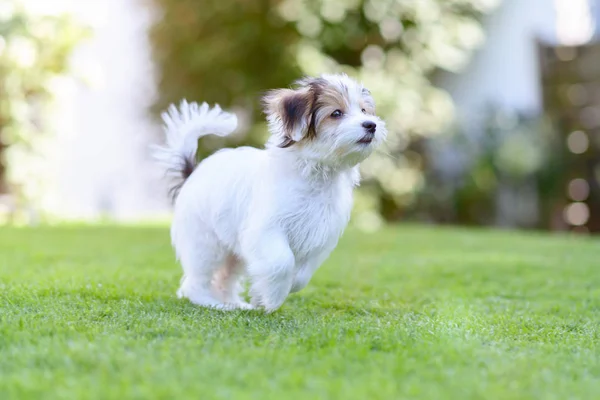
(576, 214)
(578, 189)
(391, 29)
(372, 56)
(578, 142)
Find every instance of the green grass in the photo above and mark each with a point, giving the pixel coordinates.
(409, 312)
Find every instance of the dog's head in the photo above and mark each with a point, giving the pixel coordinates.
(330, 119)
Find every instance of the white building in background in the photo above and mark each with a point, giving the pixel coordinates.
(100, 162)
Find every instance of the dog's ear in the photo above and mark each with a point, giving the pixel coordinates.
(289, 112)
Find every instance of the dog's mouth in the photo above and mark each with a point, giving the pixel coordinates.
(367, 139)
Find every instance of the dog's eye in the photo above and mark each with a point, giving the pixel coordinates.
(364, 111)
(336, 114)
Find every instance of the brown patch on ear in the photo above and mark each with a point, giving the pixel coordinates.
(316, 86)
(294, 109)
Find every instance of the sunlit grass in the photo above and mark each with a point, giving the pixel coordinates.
(409, 312)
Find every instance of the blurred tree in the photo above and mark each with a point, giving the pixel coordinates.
(222, 51)
(570, 81)
(227, 51)
(503, 174)
(33, 51)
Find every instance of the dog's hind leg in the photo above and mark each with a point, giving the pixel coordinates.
(227, 282)
(200, 256)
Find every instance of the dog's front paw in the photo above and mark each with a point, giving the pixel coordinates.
(233, 306)
(269, 305)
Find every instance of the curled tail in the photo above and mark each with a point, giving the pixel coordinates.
(183, 127)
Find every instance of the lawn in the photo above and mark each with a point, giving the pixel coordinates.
(408, 312)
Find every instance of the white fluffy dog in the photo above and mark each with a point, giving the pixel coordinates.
(274, 214)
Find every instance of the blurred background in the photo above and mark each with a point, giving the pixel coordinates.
(493, 106)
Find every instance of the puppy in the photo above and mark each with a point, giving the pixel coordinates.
(274, 214)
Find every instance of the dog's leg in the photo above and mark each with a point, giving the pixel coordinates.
(271, 270)
(196, 283)
(226, 282)
(200, 255)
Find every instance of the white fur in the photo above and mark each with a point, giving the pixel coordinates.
(183, 128)
(273, 215)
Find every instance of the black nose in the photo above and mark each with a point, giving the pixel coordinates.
(369, 126)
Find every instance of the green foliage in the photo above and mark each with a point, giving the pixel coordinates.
(34, 52)
(408, 313)
(228, 51)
